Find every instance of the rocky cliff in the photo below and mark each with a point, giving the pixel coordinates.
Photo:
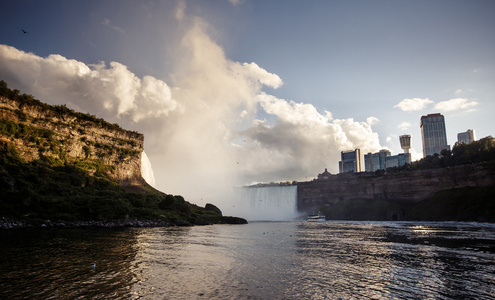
(411, 186)
(62, 168)
(390, 196)
(40, 131)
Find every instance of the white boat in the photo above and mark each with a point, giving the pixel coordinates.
(317, 218)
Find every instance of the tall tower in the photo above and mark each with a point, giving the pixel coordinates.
(433, 134)
(405, 142)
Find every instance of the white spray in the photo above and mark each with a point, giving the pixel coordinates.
(264, 203)
(146, 170)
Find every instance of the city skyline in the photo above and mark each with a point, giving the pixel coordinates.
(237, 92)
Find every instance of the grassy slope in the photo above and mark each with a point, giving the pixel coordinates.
(55, 188)
(42, 190)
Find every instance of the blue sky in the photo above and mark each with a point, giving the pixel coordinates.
(257, 90)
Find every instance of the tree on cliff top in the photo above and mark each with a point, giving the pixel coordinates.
(479, 151)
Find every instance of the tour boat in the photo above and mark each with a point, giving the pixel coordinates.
(317, 218)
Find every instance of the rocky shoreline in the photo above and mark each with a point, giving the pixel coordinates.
(11, 224)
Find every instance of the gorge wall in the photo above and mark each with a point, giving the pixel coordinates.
(390, 195)
(41, 131)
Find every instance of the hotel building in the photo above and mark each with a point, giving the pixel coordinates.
(466, 137)
(433, 134)
(350, 161)
(376, 161)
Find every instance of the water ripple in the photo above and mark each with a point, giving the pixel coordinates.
(332, 260)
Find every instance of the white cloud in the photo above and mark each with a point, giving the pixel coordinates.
(110, 91)
(456, 104)
(458, 91)
(106, 22)
(404, 125)
(303, 138)
(413, 104)
(254, 71)
(180, 10)
(372, 120)
(201, 130)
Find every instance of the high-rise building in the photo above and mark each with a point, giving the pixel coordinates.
(466, 137)
(376, 161)
(350, 161)
(433, 134)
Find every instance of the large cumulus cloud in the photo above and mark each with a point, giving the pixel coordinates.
(111, 91)
(213, 124)
(301, 141)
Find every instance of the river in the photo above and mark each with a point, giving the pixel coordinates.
(261, 260)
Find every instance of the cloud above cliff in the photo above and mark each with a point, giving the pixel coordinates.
(416, 104)
(404, 126)
(300, 140)
(456, 104)
(214, 123)
(413, 104)
(111, 91)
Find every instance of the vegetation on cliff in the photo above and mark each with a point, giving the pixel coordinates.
(473, 202)
(457, 185)
(29, 100)
(476, 152)
(53, 185)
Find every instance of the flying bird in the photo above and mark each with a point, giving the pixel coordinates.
(24, 31)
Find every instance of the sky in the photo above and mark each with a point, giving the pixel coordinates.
(234, 92)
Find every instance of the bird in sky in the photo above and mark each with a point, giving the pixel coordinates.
(24, 31)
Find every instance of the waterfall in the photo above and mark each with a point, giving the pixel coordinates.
(278, 203)
(146, 170)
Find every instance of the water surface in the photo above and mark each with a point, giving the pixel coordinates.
(264, 260)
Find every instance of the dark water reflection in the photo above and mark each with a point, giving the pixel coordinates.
(56, 264)
(398, 260)
(296, 260)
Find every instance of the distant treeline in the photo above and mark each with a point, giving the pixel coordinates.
(272, 184)
(479, 151)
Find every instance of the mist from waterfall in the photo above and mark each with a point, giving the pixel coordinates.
(146, 170)
(278, 203)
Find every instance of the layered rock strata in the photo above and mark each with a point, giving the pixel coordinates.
(406, 187)
(56, 132)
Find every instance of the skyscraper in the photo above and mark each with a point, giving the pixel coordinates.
(433, 134)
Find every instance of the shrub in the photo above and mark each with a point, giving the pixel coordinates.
(167, 203)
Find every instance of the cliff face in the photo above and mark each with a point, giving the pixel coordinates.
(63, 168)
(40, 131)
(407, 187)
